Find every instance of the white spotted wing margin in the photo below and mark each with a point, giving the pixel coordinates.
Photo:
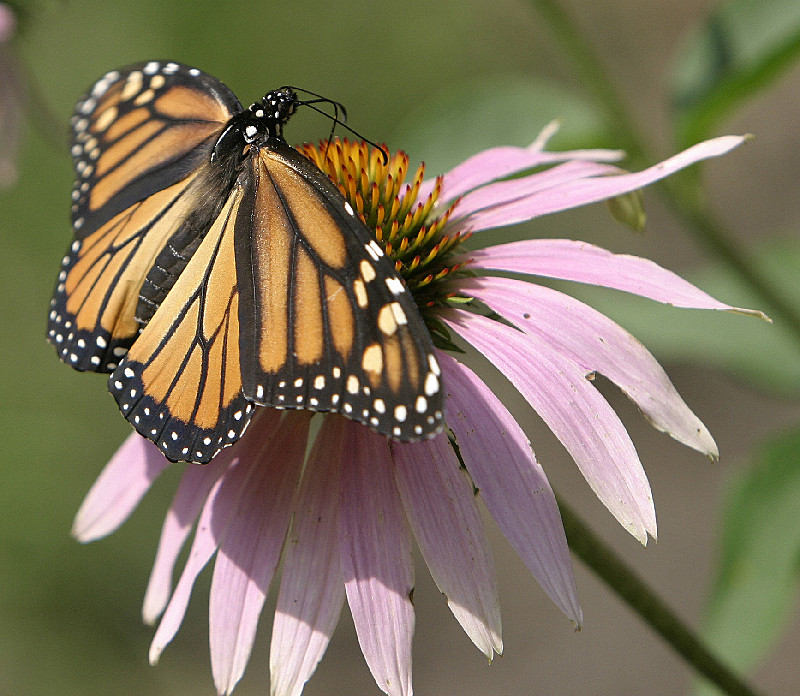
(326, 322)
(180, 384)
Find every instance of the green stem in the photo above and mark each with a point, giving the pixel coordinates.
(699, 222)
(612, 570)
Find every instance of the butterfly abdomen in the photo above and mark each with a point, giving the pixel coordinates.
(212, 188)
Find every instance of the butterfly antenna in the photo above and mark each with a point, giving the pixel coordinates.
(335, 119)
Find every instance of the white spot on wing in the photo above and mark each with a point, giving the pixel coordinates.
(431, 384)
(395, 285)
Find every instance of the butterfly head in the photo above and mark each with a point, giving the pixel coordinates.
(276, 108)
(256, 125)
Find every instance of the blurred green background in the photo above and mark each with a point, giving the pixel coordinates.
(441, 80)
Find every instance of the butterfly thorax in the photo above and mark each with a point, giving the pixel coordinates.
(255, 126)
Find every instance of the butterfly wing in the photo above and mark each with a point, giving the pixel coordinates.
(180, 383)
(326, 322)
(141, 141)
(207, 288)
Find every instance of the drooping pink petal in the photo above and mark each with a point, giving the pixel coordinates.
(440, 505)
(251, 548)
(8, 23)
(376, 558)
(312, 587)
(224, 496)
(597, 344)
(574, 410)
(578, 192)
(511, 482)
(220, 507)
(500, 162)
(195, 485)
(119, 488)
(491, 196)
(12, 100)
(586, 263)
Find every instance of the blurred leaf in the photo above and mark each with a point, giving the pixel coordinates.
(765, 354)
(756, 584)
(738, 50)
(467, 117)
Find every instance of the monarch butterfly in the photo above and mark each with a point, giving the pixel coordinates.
(214, 269)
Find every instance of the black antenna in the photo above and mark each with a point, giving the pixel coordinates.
(335, 119)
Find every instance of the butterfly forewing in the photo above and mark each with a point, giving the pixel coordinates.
(141, 138)
(180, 384)
(327, 324)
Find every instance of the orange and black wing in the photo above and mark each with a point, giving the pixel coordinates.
(141, 142)
(326, 322)
(180, 384)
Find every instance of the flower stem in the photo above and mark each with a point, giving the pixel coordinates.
(598, 556)
(699, 221)
(593, 76)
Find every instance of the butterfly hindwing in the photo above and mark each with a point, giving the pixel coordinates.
(141, 140)
(327, 323)
(180, 384)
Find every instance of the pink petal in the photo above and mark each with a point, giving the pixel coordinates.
(440, 505)
(492, 196)
(8, 23)
(578, 192)
(597, 344)
(195, 485)
(251, 548)
(119, 488)
(219, 509)
(376, 558)
(512, 483)
(312, 587)
(500, 162)
(586, 263)
(575, 411)
(13, 99)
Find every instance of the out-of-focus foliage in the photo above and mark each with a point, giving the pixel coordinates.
(471, 115)
(735, 53)
(755, 589)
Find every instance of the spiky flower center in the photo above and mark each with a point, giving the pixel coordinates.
(412, 232)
